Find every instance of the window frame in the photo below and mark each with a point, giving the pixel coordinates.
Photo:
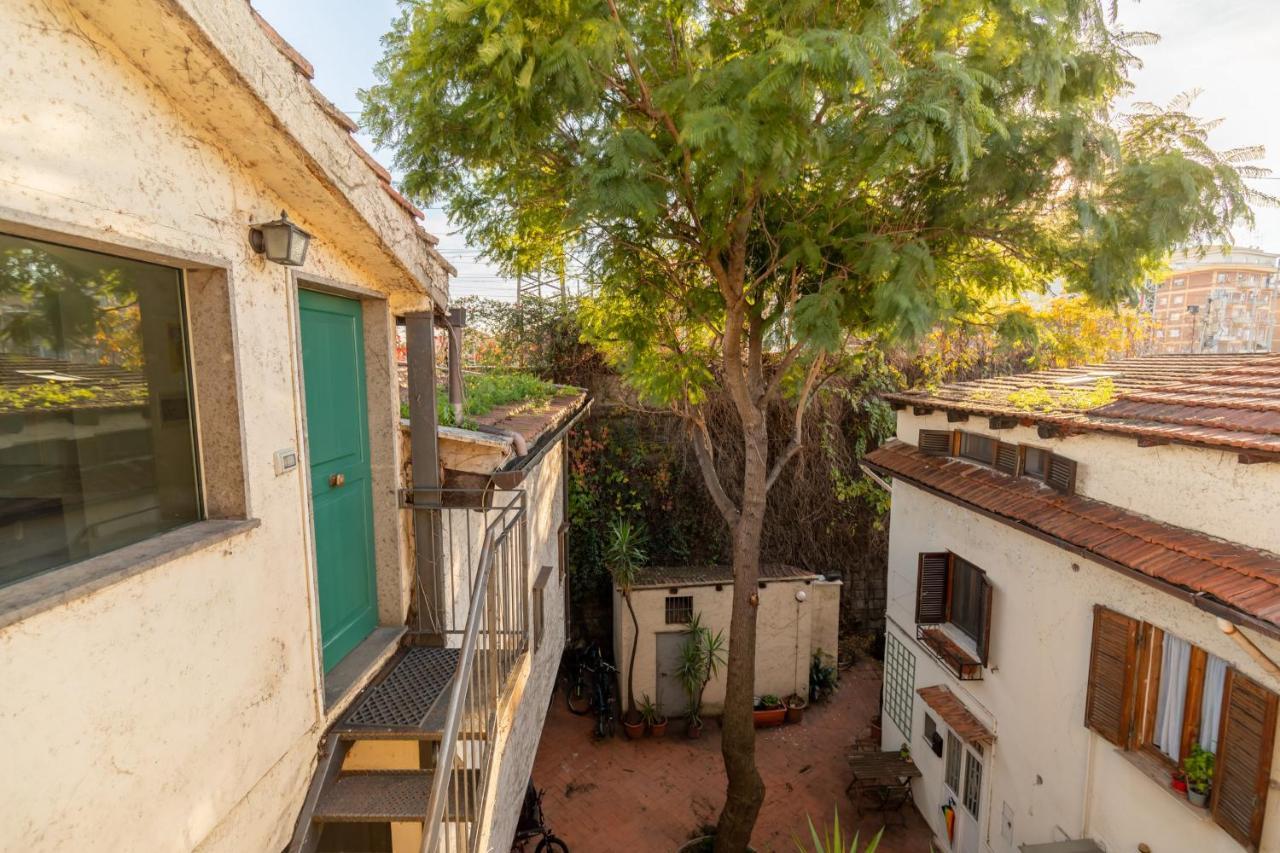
(931, 443)
(899, 683)
(677, 609)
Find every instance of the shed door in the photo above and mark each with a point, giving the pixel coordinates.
(669, 695)
(338, 453)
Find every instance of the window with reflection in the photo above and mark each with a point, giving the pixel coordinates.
(97, 443)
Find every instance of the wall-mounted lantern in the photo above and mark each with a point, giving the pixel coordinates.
(281, 241)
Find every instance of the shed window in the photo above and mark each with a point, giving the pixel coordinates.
(97, 439)
(679, 609)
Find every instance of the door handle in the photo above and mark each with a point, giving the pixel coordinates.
(336, 480)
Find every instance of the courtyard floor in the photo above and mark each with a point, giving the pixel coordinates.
(651, 795)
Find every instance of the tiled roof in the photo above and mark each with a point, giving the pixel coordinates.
(689, 575)
(534, 420)
(1216, 575)
(955, 714)
(85, 386)
(1211, 400)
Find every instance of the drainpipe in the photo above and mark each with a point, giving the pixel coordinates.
(876, 478)
(1253, 651)
(428, 552)
(457, 322)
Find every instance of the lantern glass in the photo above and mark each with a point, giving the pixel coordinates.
(283, 242)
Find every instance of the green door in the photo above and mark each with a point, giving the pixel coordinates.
(338, 453)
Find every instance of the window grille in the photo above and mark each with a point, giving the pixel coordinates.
(899, 683)
(679, 609)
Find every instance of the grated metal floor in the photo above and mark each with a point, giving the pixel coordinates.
(406, 696)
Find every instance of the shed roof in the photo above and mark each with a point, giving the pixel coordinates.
(955, 714)
(1226, 578)
(658, 576)
(1230, 401)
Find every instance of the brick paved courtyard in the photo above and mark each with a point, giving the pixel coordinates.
(649, 795)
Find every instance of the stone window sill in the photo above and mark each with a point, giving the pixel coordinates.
(56, 587)
(1158, 772)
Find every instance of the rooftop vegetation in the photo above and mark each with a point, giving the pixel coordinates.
(484, 392)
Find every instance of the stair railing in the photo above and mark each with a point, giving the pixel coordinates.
(495, 636)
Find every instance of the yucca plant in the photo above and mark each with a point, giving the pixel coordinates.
(832, 840)
(624, 556)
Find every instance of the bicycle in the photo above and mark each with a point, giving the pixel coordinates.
(577, 687)
(602, 704)
(533, 824)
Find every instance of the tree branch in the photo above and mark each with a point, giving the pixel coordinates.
(797, 434)
(705, 455)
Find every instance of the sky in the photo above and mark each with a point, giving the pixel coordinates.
(1229, 49)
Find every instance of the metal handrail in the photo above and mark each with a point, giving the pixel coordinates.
(459, 694)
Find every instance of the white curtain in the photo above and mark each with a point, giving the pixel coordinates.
(1215, 677)
(1171, 700)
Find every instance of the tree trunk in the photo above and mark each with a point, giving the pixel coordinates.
(631, 667)
(738, 745)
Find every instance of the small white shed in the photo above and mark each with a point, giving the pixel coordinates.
(799, 614)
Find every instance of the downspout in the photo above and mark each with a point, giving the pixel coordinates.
(1272, 668)
(424, 451)
(457, 322)
(875, 478)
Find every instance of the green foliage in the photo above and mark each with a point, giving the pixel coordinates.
(881, 165)
(769, 701)
(484, 392)
(833, 840)
(823, 677)
(57, 395)
(649, 711)
(701, 657)
(1199, 768)
(1041, 398)
(624, 555)
(538, 336)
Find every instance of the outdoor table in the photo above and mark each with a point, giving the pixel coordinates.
(886, 774)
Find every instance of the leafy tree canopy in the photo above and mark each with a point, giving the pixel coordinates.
(880, 164)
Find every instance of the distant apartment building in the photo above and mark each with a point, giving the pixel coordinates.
(1222, 302)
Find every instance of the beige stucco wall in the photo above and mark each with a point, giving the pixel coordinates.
(1192, 487)
(520, 726)
(178, 708)
(825, 634)
(1052, 772)
(784, 636)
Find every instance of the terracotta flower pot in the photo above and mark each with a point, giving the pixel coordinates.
(633, 725)
(770, 717)
(658, 729)
(693, 730)
(795, 709)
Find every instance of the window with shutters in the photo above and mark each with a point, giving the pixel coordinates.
(1017, 460)
(899, 683)
(952, 591)
(1153, 692)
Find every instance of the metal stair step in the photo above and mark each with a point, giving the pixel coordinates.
(379, 796)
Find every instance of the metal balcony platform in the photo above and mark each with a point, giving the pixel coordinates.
(408, 700)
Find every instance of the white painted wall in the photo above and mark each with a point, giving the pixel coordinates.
(1052, 771)
(1197, 488)
(785, 637)
(178, 709)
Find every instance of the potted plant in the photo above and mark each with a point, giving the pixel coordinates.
(769, 712)
(823, 678)
(1178, 781)
(700, 660)
(653, 718)
(904, 752)
(623, 557)
(1198, 767)
(795, 707)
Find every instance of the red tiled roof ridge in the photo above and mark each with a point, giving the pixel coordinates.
(1214, 553)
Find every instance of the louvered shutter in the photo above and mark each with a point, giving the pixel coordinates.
(1112, 663)
(1243, 767)
(935, 442)
(1061, 474)
(1007, 458)
(933, 588)
(984, 642)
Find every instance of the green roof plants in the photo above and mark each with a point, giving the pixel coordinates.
(484, 392)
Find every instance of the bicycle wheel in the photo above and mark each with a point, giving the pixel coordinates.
(577, 698)
(551, 844)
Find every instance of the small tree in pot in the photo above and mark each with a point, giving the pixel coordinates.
(623, 557)
(700, 661)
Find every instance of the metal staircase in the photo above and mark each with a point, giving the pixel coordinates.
(442, 691)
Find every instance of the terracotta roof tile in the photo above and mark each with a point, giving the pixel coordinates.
(1213, 400)
(1245, 579)
(955, 714)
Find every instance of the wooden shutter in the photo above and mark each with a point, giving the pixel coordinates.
(1243, 768)
(933, 588)
(1007, 458)
(935, 442)
(1108, 705)
(984, 641)
(1061, 474)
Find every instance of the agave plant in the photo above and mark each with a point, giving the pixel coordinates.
(832, 840)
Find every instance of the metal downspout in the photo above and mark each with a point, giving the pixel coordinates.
(423, 417)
